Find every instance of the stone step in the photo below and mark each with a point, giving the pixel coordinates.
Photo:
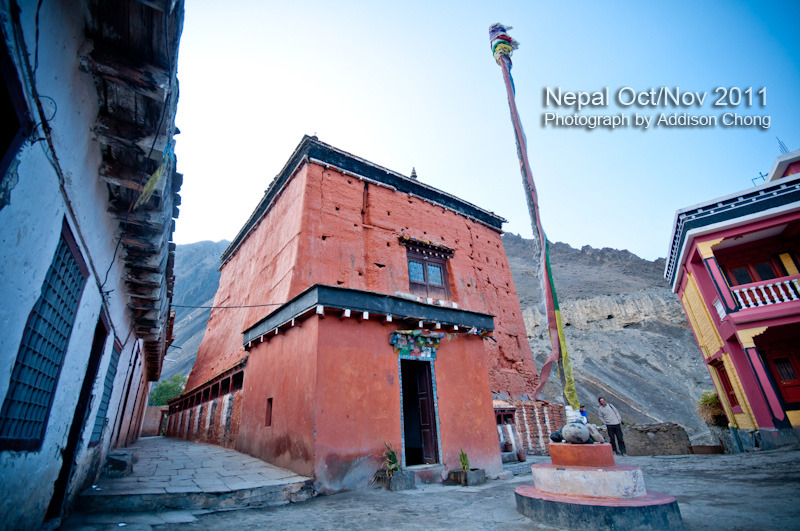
(148, 499)
(509, 457)
(427, 473)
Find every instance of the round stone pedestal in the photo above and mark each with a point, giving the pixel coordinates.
(655, 510)
(583, 488)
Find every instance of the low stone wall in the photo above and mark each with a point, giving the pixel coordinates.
(666, 438)
(535, 421)
(214, 422)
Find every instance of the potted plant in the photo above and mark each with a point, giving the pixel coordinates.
(392, 476)
(522, 455)
(466, 476)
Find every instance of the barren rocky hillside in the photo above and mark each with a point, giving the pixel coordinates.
(627, 336)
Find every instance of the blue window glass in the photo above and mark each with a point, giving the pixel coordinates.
(434, 275)
(415, 272)
(108, 387)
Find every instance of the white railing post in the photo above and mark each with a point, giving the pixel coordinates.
(747, 296)
(772, 290)
(789, 291)
(766, 297)
(738, 294)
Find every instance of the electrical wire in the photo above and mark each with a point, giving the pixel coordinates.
(228, 307)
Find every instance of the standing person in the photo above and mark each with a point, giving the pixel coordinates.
(583, 413)
(613, 421)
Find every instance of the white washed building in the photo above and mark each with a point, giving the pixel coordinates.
(85, 278)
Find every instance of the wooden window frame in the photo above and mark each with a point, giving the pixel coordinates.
(427, 253)
(725, 382)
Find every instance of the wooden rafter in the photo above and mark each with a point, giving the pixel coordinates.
(148, 80)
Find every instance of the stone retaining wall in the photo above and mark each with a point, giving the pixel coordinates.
(666, 438)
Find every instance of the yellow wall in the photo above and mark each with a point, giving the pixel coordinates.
(794, 417)
(699, 318)
(745, 420)
(788, 263)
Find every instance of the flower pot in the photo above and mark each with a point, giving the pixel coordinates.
(473, 476)
(400, 480)
(507, 446)
(522, 455)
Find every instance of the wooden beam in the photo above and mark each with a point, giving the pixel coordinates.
(146, 79)
(133, 137)
(123, 176)
(153, 220)
(146, 261)
(143, 278)
(147, 244)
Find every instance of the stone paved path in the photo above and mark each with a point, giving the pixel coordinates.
(171, 473)
(174, 466)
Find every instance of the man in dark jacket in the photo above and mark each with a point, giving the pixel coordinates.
(613, 421)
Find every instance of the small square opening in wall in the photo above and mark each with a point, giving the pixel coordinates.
(268, 417)
(237, 381)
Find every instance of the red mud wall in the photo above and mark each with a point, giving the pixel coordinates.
(350, 238)
(258, 273)
(358, 402)
(333, 229)
(466, 414)
(284, 369)
(152, 420)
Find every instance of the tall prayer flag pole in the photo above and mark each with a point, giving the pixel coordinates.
(502, 48)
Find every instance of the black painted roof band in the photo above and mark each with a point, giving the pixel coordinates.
(366, 301)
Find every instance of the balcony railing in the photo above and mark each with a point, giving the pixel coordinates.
(764, 293)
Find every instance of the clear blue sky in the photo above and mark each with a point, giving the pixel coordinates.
(413, 84)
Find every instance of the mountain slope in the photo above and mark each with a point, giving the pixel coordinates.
(627, 336)
(196, 281)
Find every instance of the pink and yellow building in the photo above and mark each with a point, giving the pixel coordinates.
(734, 262)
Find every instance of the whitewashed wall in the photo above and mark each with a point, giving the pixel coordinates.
(30, 228)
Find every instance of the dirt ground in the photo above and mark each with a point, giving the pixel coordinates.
(744, 491)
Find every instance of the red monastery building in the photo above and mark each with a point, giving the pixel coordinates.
(358, 306)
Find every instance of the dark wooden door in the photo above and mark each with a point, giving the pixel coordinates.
(427, 415)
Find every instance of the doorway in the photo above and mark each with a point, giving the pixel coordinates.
(419, 415)
(68, 453)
